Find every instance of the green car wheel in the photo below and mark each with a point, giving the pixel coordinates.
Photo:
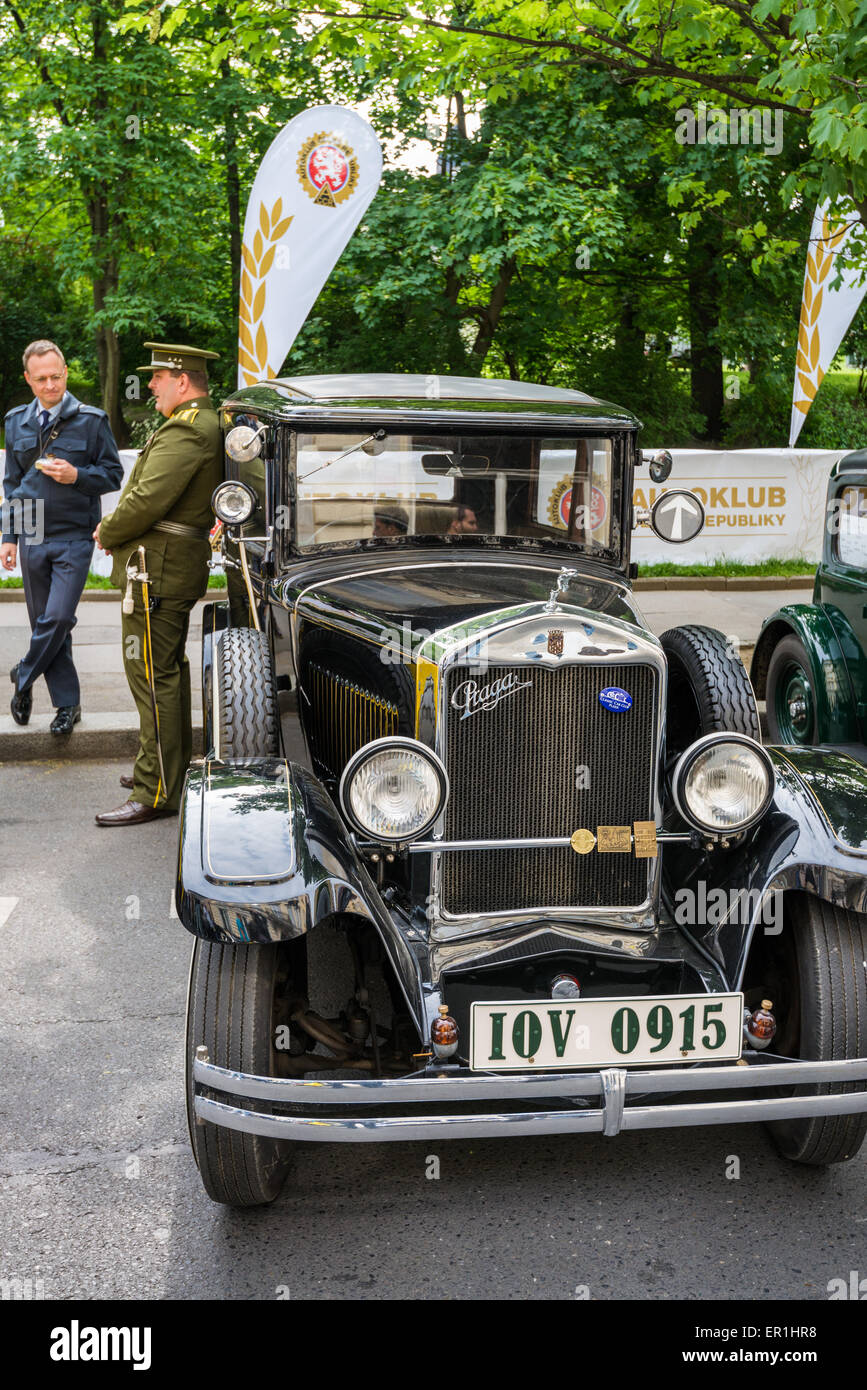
(791, 698)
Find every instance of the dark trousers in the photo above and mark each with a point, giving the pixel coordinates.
(160, 646)
(54, 574)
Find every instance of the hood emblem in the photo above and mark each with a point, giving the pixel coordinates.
(555, 645)
(470, 698)
(560, 589)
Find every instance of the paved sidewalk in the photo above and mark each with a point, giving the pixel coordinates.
(109, 720)
(109, 724)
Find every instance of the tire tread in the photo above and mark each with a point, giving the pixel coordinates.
(725, 695)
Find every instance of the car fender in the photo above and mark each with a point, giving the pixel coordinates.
(813, 839)
(835, 707)
(263, 857)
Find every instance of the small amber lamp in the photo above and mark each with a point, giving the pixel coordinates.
(762, 1025)
(444, 1034)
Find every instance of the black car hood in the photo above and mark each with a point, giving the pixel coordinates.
(437, 592)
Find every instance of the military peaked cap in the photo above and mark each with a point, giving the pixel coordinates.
(177, 357)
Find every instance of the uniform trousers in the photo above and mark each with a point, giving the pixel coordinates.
(164, 652)
(54, 573)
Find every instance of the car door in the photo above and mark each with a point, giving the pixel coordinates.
(844, 584)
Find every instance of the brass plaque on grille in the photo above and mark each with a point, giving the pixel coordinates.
(614, 839)
(645, 839)
(582, 841)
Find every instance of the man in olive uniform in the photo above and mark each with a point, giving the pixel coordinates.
(166, 509)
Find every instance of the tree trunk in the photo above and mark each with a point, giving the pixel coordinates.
(105, 282)
(705, 293)
(491, 316)
(629, 343)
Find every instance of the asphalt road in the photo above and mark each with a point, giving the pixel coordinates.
(100, 1198)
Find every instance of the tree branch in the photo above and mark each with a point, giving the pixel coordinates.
(40, 65)
(640, 66)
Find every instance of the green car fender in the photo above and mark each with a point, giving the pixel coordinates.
(836, 720)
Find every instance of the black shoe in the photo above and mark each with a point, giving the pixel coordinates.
(65, 718)
(22, 700)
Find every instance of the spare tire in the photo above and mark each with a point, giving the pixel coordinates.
(709, 690)
(245, 710)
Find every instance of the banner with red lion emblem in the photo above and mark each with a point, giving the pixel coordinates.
(314, 185)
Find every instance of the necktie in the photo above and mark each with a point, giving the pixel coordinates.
(43, 422)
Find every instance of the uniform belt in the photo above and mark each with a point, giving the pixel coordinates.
(177, 528)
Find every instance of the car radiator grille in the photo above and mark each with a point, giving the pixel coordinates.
(515, 771)
(342, 717)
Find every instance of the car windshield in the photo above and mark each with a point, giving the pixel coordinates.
(361, 486)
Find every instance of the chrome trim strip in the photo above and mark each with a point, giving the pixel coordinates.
(403, 1129)
(553, 842)
(412, 1090)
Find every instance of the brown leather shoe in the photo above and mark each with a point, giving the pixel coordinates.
(131, 813)
(128, 782)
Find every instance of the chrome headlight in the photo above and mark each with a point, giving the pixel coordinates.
(234, 503)
(393, 789)
(723, 783)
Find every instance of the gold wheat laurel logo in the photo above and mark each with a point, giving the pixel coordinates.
(819, 263)
(256, 261)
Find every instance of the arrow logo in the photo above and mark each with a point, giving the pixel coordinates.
(679, 505)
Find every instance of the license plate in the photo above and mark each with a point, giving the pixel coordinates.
(571, 1034)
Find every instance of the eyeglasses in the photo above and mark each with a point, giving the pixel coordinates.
(41, 380)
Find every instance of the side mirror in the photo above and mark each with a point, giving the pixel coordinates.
(677, 516)
(243, 444)
(660, 466)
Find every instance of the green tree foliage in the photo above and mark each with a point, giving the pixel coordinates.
(567, 235)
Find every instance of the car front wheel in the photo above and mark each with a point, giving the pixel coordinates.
(791, 698)
(232, 1010)
(826, 1019)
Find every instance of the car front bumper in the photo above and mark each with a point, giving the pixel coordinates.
(417, 1107)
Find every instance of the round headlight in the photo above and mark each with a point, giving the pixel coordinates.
(393, 789)
(234, 503)
(723, 783)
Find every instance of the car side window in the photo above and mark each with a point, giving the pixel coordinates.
(852, 535)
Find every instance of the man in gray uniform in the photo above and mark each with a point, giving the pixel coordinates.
(60, 458)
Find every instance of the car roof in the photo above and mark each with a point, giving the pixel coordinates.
(853, 463)
(337, 393)
(405, 386)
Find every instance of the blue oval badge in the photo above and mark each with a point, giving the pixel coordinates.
(614, 698)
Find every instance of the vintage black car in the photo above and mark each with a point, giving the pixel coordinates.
(438, 727)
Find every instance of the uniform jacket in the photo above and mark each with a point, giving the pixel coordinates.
(85, 440)
(172, 480)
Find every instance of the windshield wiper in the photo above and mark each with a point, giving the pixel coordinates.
(377, 435)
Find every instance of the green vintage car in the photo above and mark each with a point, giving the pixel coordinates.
(810, 661)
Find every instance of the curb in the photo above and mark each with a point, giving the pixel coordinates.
(107, 735)
(89, 596)
(735, 581)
